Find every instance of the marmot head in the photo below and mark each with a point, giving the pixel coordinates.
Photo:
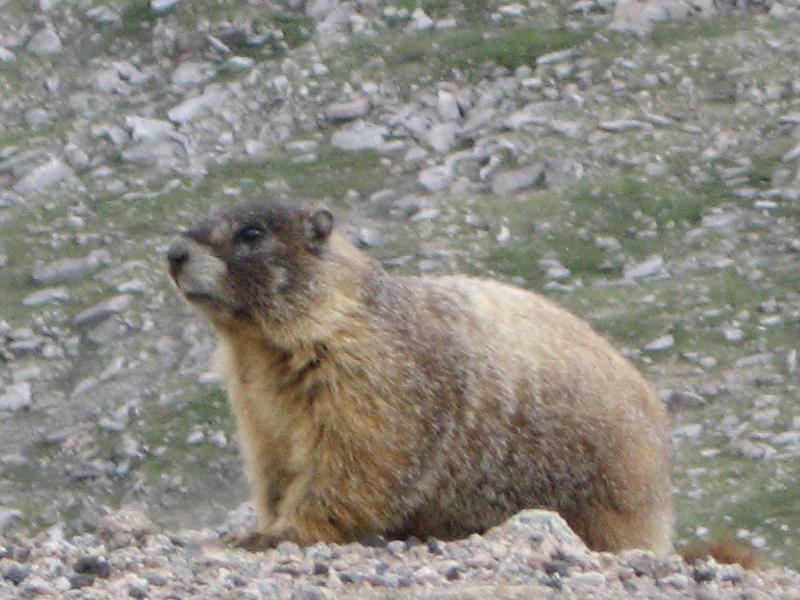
(254, 262)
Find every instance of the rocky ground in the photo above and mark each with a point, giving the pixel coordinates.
(533, 555)
(641, 170)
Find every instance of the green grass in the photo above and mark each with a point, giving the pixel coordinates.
(619, 208)
(433, 54)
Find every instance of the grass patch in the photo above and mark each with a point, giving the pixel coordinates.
(433, 54)
(622, 208)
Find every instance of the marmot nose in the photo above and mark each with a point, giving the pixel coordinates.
(177, 256)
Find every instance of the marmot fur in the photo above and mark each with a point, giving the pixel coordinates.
(373, 404)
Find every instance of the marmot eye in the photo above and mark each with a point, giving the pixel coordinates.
(249, 234)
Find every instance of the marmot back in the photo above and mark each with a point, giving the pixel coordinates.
(374, 404)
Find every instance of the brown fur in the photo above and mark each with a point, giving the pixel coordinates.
(374, 404)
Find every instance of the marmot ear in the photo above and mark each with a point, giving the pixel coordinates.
(318, 226)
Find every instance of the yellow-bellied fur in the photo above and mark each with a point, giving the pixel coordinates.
(439, 407)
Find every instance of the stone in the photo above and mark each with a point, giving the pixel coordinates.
(621, 125)
(6, 55)
(46, 296)
(103, 15)
(192, 73)
(211, 99)
(447, 106)
(435, 179)
(442, 136)
(420, 21)
(44, 42)
(337, 112)
(661, 344)
(162, 6)
(66, 270)
(360, 136)
(101, 311)
(639, 16)
(510, 182)
(44, 177)
(648, 268)
(16, 397)
(97, 566)
(239, 63)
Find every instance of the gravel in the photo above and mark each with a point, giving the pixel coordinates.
(534, 554)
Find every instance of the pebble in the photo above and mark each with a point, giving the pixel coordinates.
(348, 111)
(44, 42)
(213, 98)
(46, 296)
(511, 182)
(44, 177)
(101, 311)
(162, 6)
(360, 136)
(16, 397)
(661, 344)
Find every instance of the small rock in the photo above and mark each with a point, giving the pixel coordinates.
(511, 182)
(733, 334)
(239, 63)
(648, 268)
(97, 566)
(360, 136)
(213, 98)
(103, 15)
(420, 21)
(44, 176)
(66, 270)
(621, 125)
(690, 431)
(16, 397)
(162, 6)
(347, 111)
(435, 179)
(46, 296)
(101, 311)
(662, 344)
(44, 42)
(15, 573)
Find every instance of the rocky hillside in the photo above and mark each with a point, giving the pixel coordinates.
(637, 161)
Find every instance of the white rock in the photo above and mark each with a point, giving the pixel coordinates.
(7, 55)
(192, 73)
(648, 268)
(639, 17)
(44, 176)
(44, 42)
(103, 15)
(442, 136)
(143, 129)
(46, 296)
(162, 6)
(16, 396)
(420, 21)
(349, 110)
(510, 182)
(733, 334)
(447, 106)
(662, 344)
(690, 431)
(188, 110)
(435, 179)
(360, 136)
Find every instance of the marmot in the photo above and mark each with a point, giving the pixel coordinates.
(373, 404)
